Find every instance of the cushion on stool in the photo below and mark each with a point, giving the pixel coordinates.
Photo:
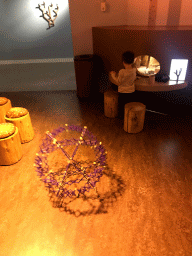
(6, 130)
(3, 101)
(21, 119)
(16, 112)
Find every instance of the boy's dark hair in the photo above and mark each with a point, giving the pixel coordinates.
(128, 57)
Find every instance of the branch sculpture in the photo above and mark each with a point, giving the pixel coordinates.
(50, 19)
(178, 73)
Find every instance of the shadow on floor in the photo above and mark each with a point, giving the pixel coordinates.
(92, 202)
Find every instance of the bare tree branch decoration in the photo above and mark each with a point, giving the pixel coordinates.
(50, 19)
(178, 73)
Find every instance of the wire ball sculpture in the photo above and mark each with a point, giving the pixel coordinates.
(75, 177)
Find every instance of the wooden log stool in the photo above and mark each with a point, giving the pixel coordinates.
(134, 117)
(10, 144)
(111, 103)
(5, 105)
(21, 119)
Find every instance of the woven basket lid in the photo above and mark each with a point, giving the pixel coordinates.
(3, 101)
(16, 112)
(6, 130)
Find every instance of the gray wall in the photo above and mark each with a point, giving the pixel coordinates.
(33, 57)
(46, 76)
(24, 35)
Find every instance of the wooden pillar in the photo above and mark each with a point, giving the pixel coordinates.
(10, 148)
(111, 103)
(5, 105)
(134, 117)
(23, 123)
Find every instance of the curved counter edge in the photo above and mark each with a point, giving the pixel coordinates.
(157, 86)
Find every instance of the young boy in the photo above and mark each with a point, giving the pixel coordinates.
(125, 80)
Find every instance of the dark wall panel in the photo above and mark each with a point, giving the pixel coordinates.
(163, 43)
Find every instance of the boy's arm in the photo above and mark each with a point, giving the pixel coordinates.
(115, 79)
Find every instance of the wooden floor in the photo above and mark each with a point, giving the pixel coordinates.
(144, 203)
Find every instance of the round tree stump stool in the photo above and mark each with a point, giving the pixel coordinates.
(5, 105)
(111, 103)
(134, 117)
(21, 119)
(10, 144)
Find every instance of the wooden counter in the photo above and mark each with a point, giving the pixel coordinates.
(142, 84)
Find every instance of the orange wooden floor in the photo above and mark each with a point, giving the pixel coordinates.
(144, 206)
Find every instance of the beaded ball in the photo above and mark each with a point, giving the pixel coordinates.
(75, 176)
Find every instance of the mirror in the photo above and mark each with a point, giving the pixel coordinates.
(146, 65)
